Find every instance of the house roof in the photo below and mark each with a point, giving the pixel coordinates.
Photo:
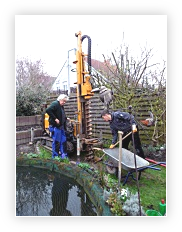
(102, 67)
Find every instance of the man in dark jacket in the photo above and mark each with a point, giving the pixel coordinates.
(57, 121)
(123, 121)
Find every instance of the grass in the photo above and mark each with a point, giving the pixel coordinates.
(152, 187)
(45, 154)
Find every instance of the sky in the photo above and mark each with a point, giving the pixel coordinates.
(50, 37)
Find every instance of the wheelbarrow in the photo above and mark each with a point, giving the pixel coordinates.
(127, 163)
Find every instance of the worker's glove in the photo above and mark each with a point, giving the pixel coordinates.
(112, 146)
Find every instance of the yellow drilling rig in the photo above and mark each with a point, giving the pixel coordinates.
(82, 139)
(84, 88)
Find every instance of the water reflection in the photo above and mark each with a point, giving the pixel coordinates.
(41, 192)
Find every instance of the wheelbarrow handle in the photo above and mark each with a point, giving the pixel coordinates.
(122, 139)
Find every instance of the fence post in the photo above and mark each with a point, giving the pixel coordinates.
(32, 135)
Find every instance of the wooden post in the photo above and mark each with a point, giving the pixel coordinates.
(120, 133)
(78, 143)
(32, 135)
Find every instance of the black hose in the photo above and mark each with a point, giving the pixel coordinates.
(89, 51)
(139, 203)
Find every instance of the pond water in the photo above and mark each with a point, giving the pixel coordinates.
(40, 192)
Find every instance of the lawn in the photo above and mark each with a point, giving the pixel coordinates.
(152, 187)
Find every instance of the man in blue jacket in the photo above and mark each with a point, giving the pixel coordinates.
(123, 121)
(57, 123)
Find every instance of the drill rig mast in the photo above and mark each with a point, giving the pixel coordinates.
(84, 88)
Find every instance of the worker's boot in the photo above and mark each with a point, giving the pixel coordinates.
(64, 155)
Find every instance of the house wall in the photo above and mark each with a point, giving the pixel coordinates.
(61, 81)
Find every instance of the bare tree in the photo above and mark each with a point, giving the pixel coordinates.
(136, 82)
(32, 75)
(32, 86)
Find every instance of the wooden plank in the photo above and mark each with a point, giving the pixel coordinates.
(31, 120)
(38, 132)
(23, 137)
(22, 134)
(17, 121)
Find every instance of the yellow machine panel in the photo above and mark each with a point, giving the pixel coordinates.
(46, 121)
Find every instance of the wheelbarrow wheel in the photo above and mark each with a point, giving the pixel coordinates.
(111, 169)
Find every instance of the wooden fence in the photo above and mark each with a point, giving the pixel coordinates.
(23, 128)
(23, 121)
(98, 125)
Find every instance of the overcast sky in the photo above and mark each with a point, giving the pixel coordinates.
(49, 37)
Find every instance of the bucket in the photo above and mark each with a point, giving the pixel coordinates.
(153, 213)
